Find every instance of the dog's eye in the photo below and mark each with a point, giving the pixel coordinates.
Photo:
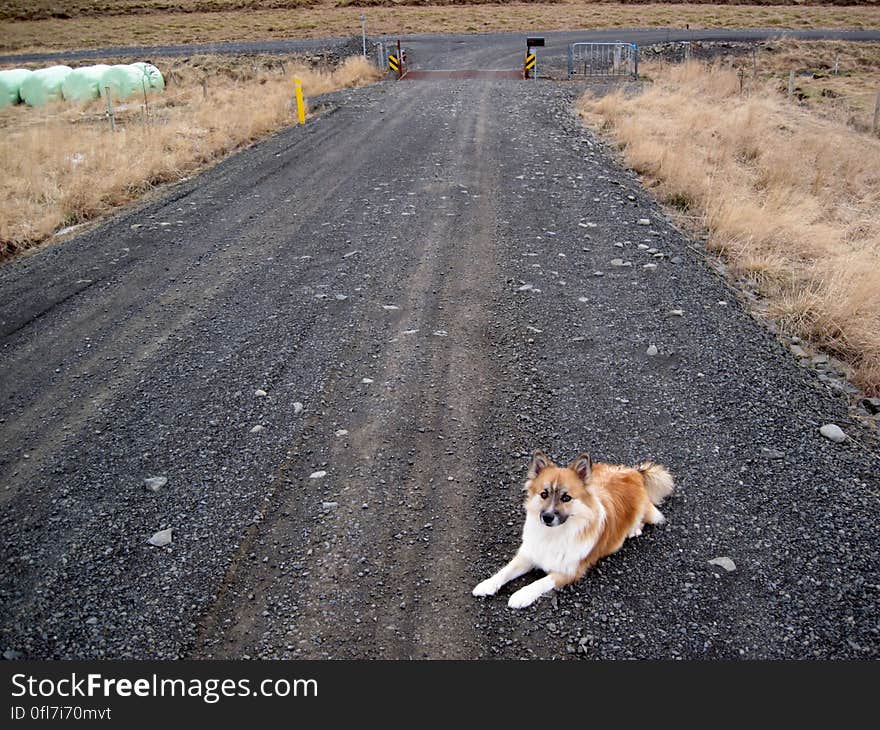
(544, 494)
(566, 498)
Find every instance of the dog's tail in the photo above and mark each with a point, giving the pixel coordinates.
(658, 481)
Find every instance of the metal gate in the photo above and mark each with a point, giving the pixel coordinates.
(603, 59)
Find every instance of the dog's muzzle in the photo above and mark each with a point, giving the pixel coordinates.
(553, 518)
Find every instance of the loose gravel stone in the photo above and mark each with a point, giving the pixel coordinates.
(652, 350)
(154, 484)
(833, 432)
(872, 405)
(161, 538)
(772, 454)
(317, 475)
(724, 562)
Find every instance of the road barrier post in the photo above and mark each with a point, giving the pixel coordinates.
(394, 64)
(300, 104)
(531, 60)
(397, 62)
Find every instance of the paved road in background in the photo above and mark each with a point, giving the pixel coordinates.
(424, 284)
(452, 50)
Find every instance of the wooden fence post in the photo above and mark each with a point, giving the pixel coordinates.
(110, 109)
(876, 125)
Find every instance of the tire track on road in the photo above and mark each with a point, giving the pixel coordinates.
(389, 580)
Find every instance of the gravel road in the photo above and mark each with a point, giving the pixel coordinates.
(450, 49)
(429, 269)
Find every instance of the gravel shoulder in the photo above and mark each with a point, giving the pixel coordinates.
(420, 270)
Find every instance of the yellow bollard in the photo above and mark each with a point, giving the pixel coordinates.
(300, 104)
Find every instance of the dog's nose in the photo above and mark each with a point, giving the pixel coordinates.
(548, 518)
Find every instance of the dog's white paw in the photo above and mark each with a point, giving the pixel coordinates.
(636, 531)
(522, 598)
(527, 595)
(488, 587)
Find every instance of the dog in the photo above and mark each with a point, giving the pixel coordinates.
(576, 515)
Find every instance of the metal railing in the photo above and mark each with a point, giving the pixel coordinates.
(381, 55)
(603, 59)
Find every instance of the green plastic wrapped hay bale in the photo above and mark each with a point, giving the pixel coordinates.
(123, 80)
(10, 84)
(82, 84)
(44, 85)
(155, 81)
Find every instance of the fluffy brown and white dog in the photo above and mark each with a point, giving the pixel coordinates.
(576, 515)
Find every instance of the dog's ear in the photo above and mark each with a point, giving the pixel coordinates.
(582, 466)
(539, 462)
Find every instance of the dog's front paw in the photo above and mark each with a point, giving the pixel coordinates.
(488, 587)
(522, 598)
(635, 531)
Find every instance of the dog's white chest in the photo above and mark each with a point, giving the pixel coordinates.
(555, 549)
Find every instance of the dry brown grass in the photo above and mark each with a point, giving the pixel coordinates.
(789, 198)
(63, 166)
(326, 19)
(847, 96)
(41, 9)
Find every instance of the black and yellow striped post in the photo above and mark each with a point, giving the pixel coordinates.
(394, 63)
(529, 63)
(397, 61)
